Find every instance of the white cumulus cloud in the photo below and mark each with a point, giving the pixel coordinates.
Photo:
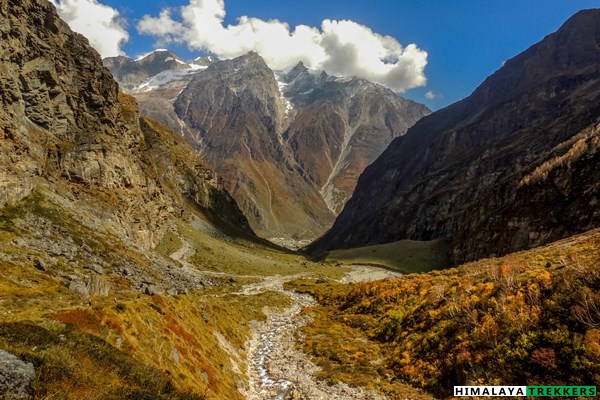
(99, 23)
(338, 47)
(432, 96)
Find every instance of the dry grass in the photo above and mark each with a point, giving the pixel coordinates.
(247, 257)
(584, 144)
(130, 345)
(169, 244)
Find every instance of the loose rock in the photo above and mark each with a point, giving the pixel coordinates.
(79, 287)
(96, 268)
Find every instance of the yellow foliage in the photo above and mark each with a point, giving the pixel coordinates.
(592, 344)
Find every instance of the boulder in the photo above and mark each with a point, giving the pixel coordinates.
(16, 377)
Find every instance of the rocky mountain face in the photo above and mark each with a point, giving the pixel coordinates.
(339, 126)
(510, 167)
(236, 117)
(68, 131)
(133, 74)
(289, 145)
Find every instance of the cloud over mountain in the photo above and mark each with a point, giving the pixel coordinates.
(100, 24)
(338, 47)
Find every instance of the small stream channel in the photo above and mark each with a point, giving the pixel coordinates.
(276, 326)
(270, 340)
(275, 367)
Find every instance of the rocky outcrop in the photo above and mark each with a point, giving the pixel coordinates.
(53, 106)
(461, 173)
(16, 377)
(67, 129)
(60, 115)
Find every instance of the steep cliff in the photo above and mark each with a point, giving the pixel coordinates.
(66, 129)
(460, 173)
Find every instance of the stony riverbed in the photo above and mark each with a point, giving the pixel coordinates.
(276, 369)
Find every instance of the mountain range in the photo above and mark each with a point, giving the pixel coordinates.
(289, 145)
(129, 271)
(511, 167)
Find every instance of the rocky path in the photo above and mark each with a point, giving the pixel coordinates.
(276, 369)
(184, 252)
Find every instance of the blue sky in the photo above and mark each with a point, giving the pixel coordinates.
(465, 41)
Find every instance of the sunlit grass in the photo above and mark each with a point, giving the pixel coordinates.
(407, 256)
(167, 347)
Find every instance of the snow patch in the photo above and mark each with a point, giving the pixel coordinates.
(200, 58)
(144, 55)
(176, 60)
(286, 101)
(166, 77)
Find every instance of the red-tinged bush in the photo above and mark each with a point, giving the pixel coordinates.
(545, 358)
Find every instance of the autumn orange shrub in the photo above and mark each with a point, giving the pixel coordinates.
(527, 318)
(83, 319)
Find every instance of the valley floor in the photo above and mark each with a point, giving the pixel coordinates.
(210, 315)
(277, 368)
(203, 316)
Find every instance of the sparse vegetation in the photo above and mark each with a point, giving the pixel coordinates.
(586, 144)
(169, 244)
(75, 365)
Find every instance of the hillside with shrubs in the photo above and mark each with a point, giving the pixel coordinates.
(530, 318)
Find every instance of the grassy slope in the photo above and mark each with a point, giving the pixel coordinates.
(524, 319)
(128, 344)
(528, 318)
(407, 256)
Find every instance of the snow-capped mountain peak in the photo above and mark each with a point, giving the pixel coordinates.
(160, 68)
